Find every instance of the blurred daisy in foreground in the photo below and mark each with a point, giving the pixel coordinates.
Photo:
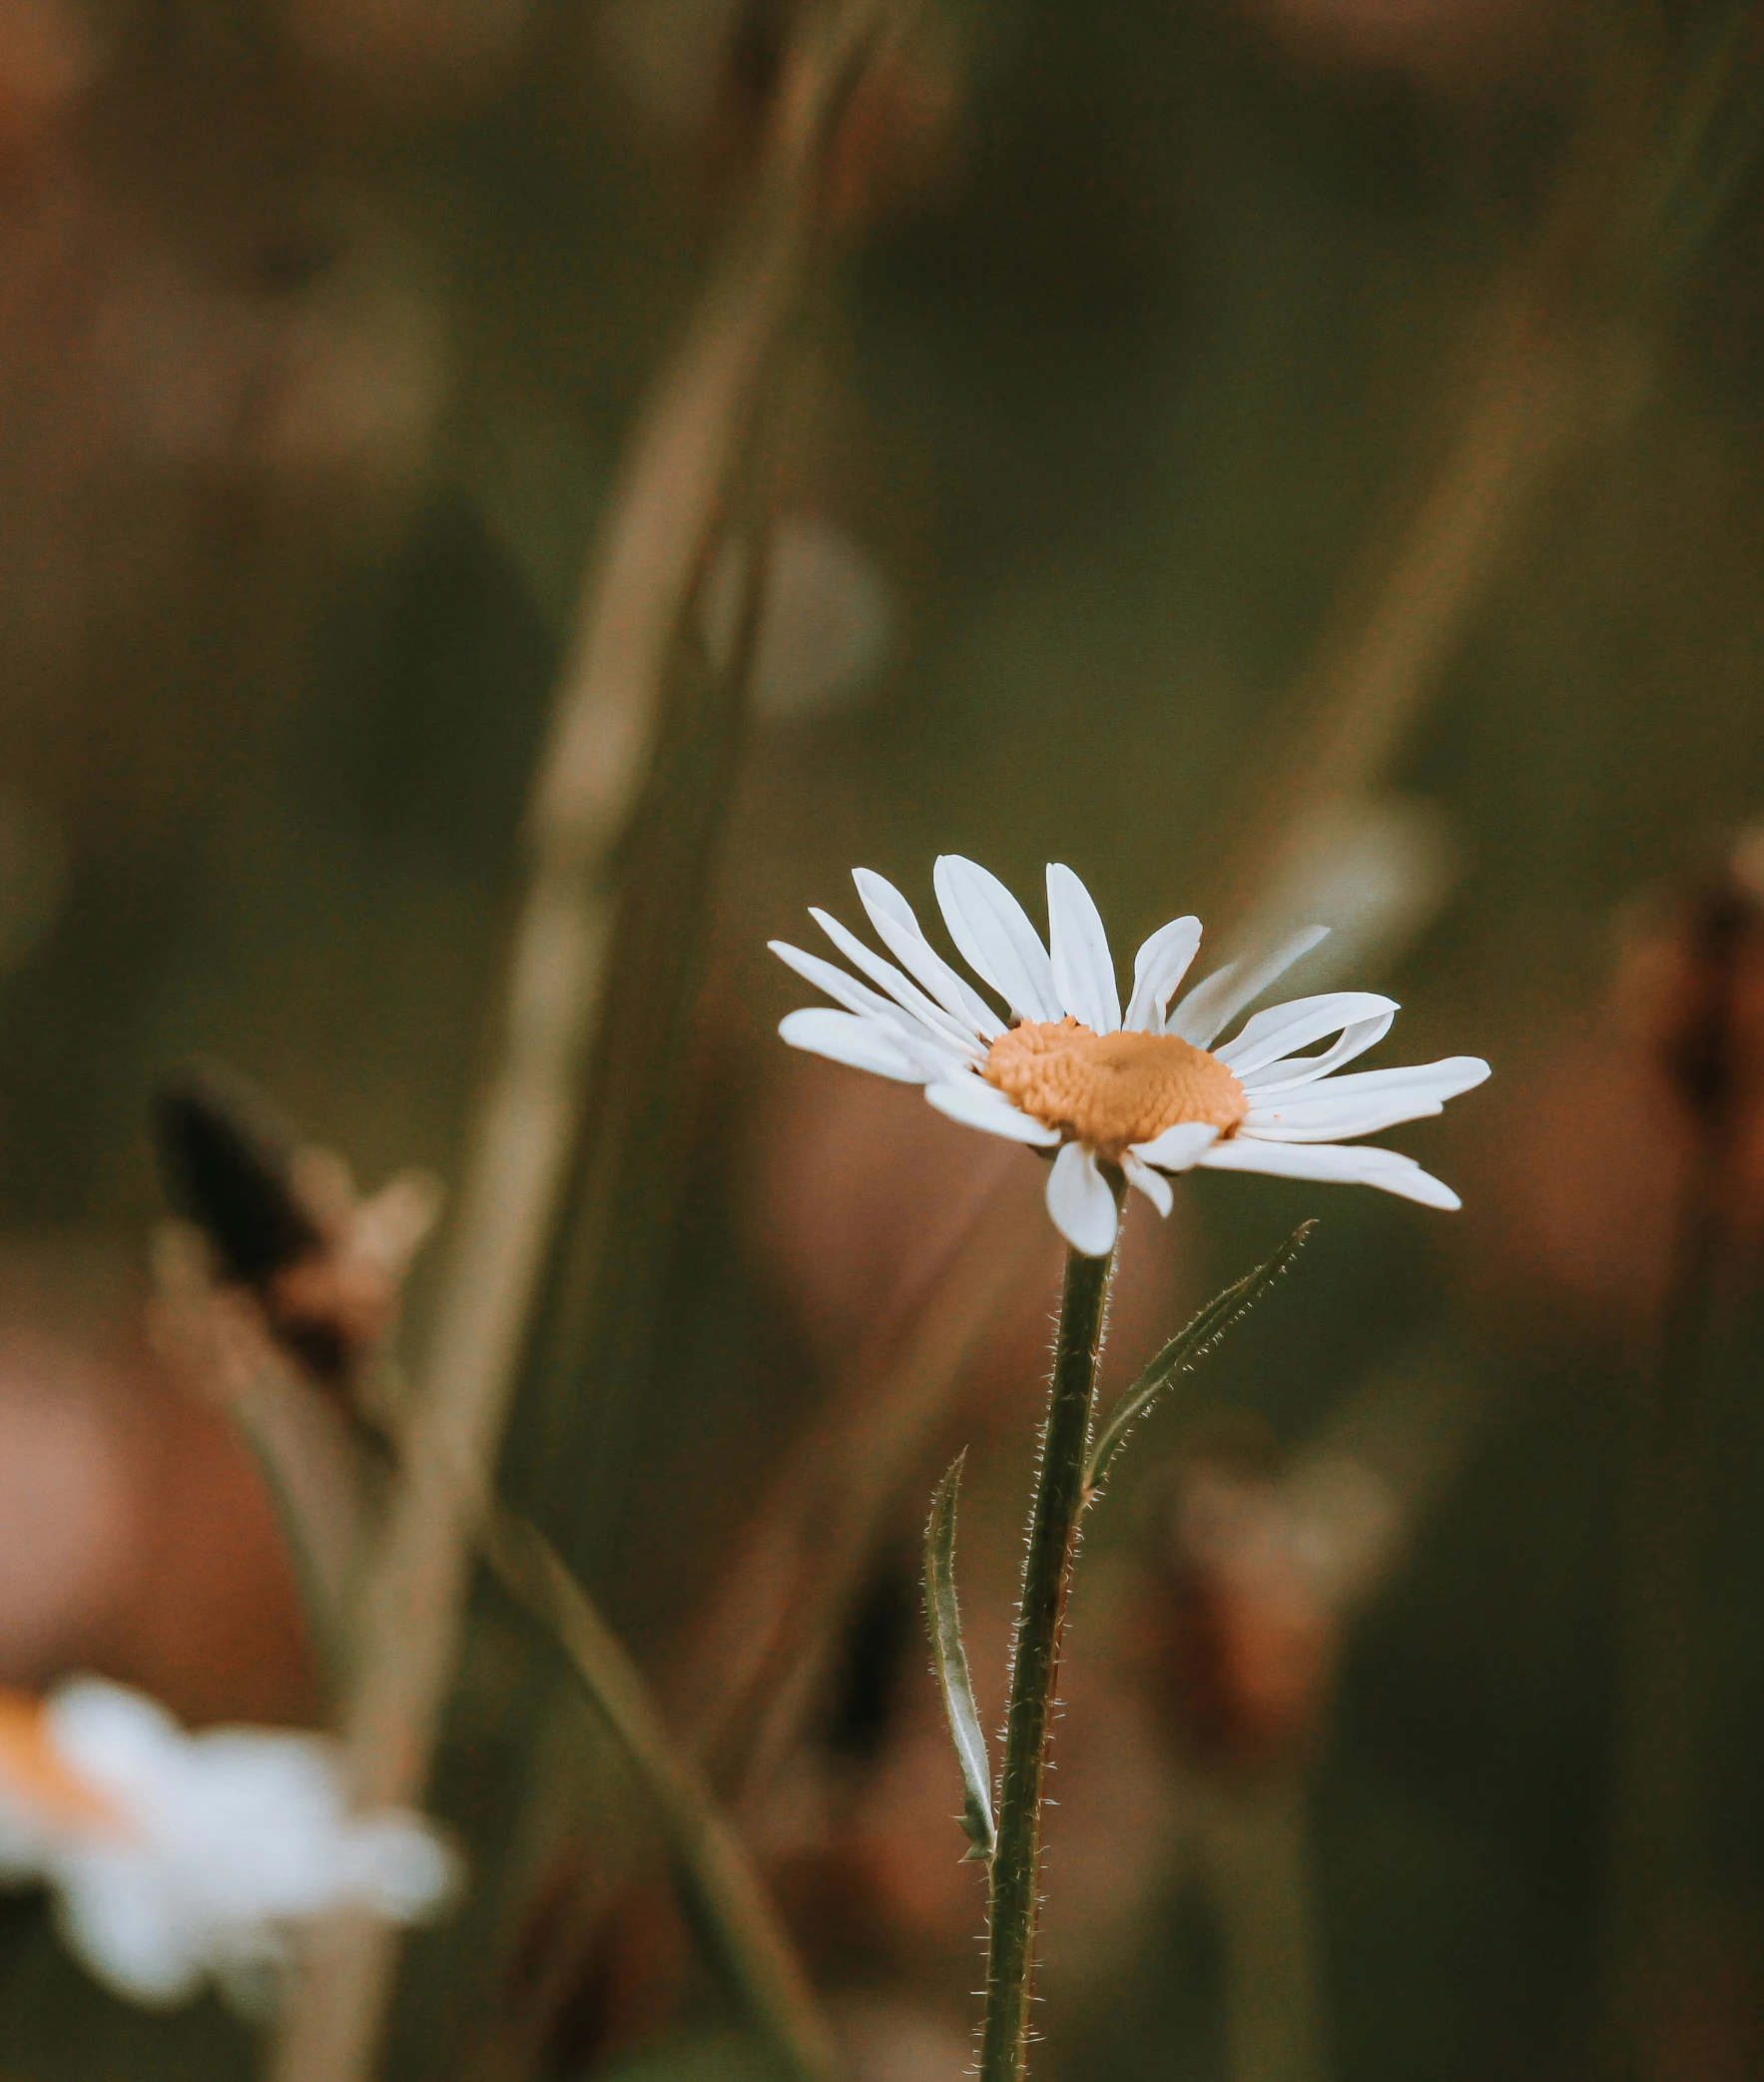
(1138, 1094)
(173, 1857)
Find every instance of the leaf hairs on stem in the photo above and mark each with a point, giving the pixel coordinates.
(1185, 1351)
(945, 1618)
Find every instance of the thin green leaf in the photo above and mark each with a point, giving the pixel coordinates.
(1186, 1351)
(945, 1618)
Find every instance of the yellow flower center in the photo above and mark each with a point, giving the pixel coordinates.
(1108, 1091)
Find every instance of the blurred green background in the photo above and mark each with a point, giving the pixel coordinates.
(1153, 330)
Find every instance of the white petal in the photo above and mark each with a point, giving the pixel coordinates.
(1178, 1147)
(921, 1042)
(907, 996)
(1158, 968)
(1450, 1075)
(1285, 1028)
(995, 937)
(126, 1920)
(1333, 1121)
(898, 926)
(976, 1104)
(846, 1037)
(394, 1863)
(1444, 1078)
(107, 1730)
(1154, 1185)
(1084, 967)
(1211, 1007)
(1335, 1162)
(1079, 1199)
(1363, 1104)
(1292, 1071)
(846, 989)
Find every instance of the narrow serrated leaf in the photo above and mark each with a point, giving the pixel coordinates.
(945, 1619)
(1186, 1351)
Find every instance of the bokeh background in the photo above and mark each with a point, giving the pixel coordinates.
(1186, 370)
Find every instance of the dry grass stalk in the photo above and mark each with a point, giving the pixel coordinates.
(1563, 363)
(1530, 363)
(736, 1911)
(589, 782)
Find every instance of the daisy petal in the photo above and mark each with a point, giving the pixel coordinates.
(858, 1042)
(1334, 1119)
(1444, 1079)
(1178, 1147)
(1083, 968)
(1079, 1199)
(1154, 1185)
(1292, 1071)
(1158, 968)
(1451, 1075)
(995, 937)
(898, 926)
(1335, 1163)
(122, 1921)
(1363, 1104)
(907, 996)
(844, 989)
(976, 1104)
(1211, 1007)
(1284, 1027)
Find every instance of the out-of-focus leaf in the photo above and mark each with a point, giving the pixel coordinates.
(1186, 1351)
(945, 1616)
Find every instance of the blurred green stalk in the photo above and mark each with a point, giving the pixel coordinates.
(729, 1903)
(613, 711)
(1060, 1497)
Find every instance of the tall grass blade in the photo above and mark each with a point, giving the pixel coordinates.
(723, 1893)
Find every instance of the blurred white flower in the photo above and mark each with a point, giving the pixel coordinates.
(175, 1858)
(1138, 1094)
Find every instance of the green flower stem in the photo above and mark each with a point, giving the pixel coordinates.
(1047, 1575)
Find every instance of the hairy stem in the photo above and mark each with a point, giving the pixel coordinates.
(1047, 1575)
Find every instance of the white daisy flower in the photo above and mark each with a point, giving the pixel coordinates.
(1142, 1093)
(175, 1858)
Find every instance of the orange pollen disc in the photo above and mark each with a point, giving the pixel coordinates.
(1108, 1091)
(34, 1776)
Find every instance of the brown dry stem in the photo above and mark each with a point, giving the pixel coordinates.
(591, 777)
